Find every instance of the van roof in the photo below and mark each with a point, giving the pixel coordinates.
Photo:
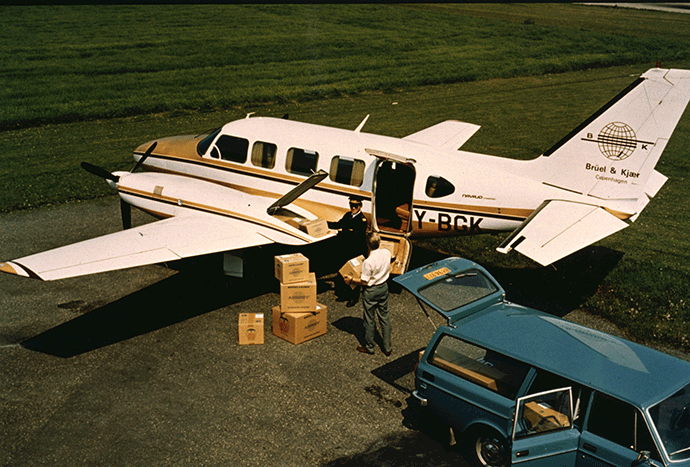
(623, 369)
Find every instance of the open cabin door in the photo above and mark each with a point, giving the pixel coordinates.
(391, 209)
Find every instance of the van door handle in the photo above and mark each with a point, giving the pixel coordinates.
(522, 453)
(589, 447)
(428, 376)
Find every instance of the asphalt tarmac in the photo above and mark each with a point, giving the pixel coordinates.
(142, 367)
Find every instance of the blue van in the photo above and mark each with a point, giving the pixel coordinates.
(522, 387)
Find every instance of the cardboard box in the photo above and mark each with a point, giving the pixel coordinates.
(298, 296)
(251, 328)
(300, 327)
(291, 268)
(315, 228)
(353, 268)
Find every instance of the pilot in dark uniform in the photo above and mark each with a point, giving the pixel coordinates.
(351, 243)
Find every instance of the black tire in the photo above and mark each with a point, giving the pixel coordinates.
(487, 448)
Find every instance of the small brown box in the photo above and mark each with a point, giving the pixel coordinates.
(315, 228)
(353, 268)
(298, 296)
(251, 328)
(291, 268)
(300, 327)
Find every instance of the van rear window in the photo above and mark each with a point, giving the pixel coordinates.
(483, 367)
(459, 290)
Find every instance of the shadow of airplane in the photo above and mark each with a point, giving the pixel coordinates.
(199, 287)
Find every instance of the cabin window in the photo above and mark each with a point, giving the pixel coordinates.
(230, 148)
(480, 366)
(301, 161)
(347, 170)
(438, 187)
(264, 155)
(205, 143)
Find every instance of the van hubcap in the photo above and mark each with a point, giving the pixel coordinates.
(491, 452)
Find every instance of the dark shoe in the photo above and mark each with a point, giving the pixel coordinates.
(351, 303)
(388, 354)
(363, 350)
(340, 299)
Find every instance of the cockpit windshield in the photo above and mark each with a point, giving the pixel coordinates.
(672, 420)
(205, 143)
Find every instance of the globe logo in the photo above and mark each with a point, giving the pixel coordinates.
(617, 141)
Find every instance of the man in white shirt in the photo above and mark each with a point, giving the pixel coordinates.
(375, 272)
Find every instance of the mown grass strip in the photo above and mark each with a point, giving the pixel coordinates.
(88, 62)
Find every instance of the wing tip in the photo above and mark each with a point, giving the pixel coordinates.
(17, 270)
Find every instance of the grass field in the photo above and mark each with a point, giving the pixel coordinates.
(92, 83)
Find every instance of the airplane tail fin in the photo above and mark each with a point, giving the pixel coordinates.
(612, 155)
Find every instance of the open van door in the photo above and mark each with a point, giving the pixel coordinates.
(544, 434)
(391, 209)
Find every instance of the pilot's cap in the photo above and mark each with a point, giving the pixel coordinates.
(356, 200)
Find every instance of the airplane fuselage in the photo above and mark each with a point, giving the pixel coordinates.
(469, 204)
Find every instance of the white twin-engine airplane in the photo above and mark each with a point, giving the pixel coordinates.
(257, 181)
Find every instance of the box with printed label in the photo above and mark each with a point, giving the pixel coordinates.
(251, 328)
(315, 228)
(353, 268)
(298, 296)
(300, 327)
(291, 268)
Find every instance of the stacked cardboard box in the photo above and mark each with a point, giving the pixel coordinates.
(299, 317)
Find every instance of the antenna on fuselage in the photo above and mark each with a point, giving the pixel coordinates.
(359, 128)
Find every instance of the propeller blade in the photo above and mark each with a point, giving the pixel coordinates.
(99, 172)
(126, 211)
(146, 154)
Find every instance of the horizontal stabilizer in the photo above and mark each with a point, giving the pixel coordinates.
(167, 240)
(448, 135)
(559, 228)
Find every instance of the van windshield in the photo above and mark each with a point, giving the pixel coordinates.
(672, 420)
(461, 289)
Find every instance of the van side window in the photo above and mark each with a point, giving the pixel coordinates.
(264, 155)
(438, 187)
(547, 381)
(480, 366)
(230, 148)
(616, 421)
(347, 171)
(543, 412)
(301, 161)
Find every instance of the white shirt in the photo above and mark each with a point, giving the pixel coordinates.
(376, 268)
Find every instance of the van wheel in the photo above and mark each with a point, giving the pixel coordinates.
(490, 449)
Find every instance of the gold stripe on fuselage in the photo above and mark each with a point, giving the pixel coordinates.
(209, 209)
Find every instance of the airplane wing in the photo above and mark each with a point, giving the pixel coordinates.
(559, 228)
(450, 134)
(166, 240)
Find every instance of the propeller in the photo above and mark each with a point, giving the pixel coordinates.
(146, 154)
(99, 172)
(125, 208)
(126, 214)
